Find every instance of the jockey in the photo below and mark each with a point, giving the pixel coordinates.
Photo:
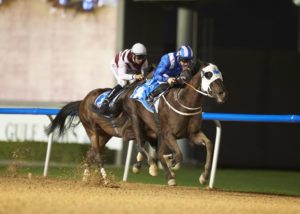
(169, 67)
(126, 67)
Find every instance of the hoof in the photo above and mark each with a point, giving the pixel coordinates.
(202, 180)
(153, 170)
(135, 170)
(172, 182)
(139, 157)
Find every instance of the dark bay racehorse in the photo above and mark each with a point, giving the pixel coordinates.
(179, 116)
(135, 122)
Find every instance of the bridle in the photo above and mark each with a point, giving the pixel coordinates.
(216, 74)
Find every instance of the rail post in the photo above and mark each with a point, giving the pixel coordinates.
(216, 154)
(128, 158)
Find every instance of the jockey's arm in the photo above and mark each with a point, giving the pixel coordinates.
(122, 72)
(161, 69)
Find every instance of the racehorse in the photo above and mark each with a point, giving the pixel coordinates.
(179, 116)
(99, 128)
(135, 122)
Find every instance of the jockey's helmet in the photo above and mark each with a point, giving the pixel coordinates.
(185, 52)
(139, 49)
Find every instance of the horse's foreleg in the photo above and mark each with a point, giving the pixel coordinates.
(173, 146)
(168, 161)
(170, 176)
(201, 138)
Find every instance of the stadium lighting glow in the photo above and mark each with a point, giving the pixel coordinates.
(296, 2)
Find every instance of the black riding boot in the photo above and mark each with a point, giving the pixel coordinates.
(110, 97)
(161, 88)
(113, 93)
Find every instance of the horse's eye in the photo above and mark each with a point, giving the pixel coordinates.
(208, 75)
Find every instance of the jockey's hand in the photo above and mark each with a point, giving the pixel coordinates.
(171, 80)
(139, 76)
(181, 79)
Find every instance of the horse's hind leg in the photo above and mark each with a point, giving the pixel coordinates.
(138, 128)
(101, 147)
(90, 156)
(152, 161)
(94, 155)
(201, 139)
(142, 154)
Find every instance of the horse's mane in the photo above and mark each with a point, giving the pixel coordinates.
(197, 65)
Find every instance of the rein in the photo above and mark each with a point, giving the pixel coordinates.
(180, 112)
(186, 107)
(195, 89)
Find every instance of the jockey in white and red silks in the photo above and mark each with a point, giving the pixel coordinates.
(126, 67)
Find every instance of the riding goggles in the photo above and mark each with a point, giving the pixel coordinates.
(140, 57)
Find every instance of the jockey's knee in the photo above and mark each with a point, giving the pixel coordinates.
(123, 83)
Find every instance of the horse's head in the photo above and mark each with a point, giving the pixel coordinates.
(212, 83)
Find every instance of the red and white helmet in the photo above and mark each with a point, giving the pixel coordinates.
(139, 49)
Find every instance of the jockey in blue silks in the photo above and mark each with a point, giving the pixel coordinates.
(169, 67)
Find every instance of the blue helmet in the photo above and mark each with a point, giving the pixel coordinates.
(185, 52)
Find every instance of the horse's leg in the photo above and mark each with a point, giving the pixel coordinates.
(102, 140)
(201, 139)
(138, 128)
(164, 160)
(91, 155)
(142, 154)
(95, 153)
(152, 160)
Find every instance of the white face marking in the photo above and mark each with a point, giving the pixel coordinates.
(216, 74)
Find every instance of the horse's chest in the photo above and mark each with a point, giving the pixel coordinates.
(181, 128)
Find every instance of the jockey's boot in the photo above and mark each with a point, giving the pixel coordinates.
(109, 98)
(161, 88)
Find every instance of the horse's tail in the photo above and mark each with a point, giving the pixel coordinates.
(70, 110)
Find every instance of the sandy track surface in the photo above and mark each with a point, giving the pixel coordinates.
(40, 195)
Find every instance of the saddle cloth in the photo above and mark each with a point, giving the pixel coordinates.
(140, 94)
(99, 100)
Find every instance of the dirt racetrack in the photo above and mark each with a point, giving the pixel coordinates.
(40, 195)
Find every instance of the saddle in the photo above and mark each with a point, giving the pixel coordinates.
(113, 109)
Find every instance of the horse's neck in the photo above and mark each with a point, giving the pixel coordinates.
(188, 96)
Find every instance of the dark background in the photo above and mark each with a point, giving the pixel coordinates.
(254, 44)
